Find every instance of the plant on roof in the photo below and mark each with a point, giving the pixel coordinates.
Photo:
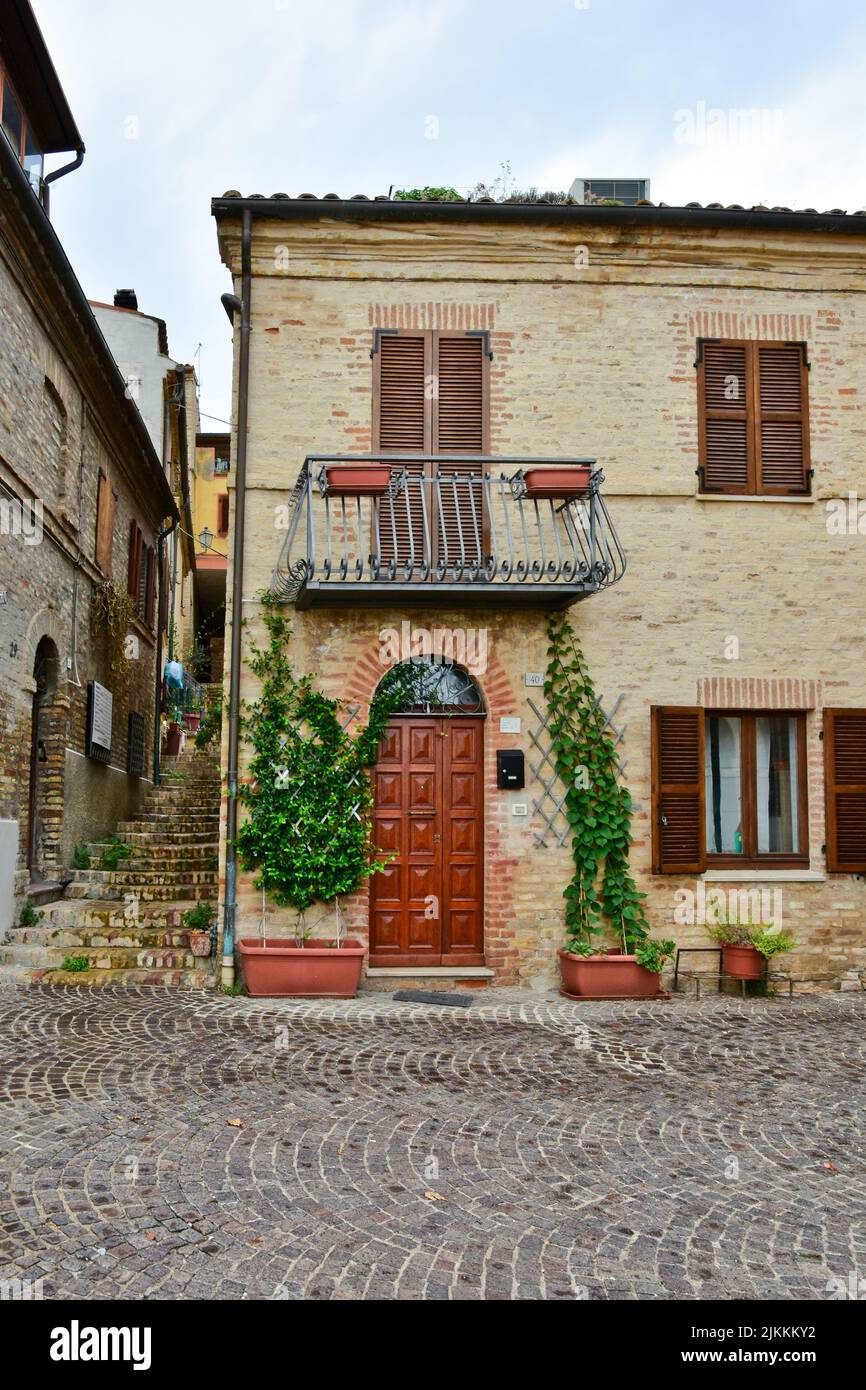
(426, 195)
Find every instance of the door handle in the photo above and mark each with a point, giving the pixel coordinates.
(437, 838)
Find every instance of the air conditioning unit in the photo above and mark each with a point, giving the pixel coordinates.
(627, 191)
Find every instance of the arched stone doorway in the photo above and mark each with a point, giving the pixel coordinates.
(427, 904)
(45, 802)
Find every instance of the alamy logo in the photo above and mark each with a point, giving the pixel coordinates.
(77, 1343)
(466, 647)
(708, 908)
(21, 1290)
(22, 519)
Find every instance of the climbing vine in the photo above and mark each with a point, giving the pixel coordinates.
(308, 796)
(597, 806)
(111, 613)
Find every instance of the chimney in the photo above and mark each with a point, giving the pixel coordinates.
(125, 299)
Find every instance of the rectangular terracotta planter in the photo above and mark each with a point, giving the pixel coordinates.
(280, 969)
(607, 977)
(357, 480)
(557, 482)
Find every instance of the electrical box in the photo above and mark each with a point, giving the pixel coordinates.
(509, 769)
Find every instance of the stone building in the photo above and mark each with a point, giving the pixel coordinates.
(83, 499)
(710, 362)
(166, 394)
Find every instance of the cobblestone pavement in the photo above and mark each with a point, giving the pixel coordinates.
(172, 1145)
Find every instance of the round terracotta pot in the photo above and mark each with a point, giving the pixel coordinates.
(199, 943)
(173, 740)
(281, 969)
(743, 962)
(607, 977)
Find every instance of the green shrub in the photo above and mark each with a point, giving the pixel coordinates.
(114, 851)
(29, 916)
(81, 857)
(76, 964)
(200, 917)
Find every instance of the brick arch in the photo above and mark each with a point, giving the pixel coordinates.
(44, 623)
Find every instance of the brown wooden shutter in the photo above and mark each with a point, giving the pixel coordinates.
(150, 586)
(725, 441)
(133, 570)
(223, 514)
(402, 415)
(782, 426)
(164, 594)
(460, 427)
(402, 424)
(845, 782)
(104, 523)
(679, 830)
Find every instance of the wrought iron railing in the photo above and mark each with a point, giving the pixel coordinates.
(451, 528)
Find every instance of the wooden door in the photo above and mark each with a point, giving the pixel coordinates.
(426, 906)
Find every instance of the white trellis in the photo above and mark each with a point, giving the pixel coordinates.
(549, 805)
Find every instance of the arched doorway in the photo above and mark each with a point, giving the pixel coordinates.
(41, 840)
(427, 903)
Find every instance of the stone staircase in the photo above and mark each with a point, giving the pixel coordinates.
(127, 921)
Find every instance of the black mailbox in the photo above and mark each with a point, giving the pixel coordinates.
(509, 769)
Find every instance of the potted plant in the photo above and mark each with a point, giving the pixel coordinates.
(357, 479)
(740, 959)
(308, 832)
(307, 967)
(598, 972)
(548, 481)
(199, 922)
(598, 808)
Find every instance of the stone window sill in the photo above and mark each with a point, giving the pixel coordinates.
(763, 876)
(746, 497)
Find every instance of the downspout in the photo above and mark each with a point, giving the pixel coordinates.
(180, 374)
(162, 602)
(58, 174)
(230, 908)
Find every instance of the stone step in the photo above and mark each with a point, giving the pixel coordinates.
(182, 839)
(97, 979)
(158, 894)
(125, 876)
(163, 824)
(103, 914)
(193, 856)
(98, 936)
(119, 958)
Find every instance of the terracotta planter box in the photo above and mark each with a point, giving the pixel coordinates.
(607, 977)
(556, 482)
(356, 480)
(743, 962)
(283, 970)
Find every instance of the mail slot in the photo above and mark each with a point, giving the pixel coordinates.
(509, 769)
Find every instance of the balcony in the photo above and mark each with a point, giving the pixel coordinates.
(459, 528)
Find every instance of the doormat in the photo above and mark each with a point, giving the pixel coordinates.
(432, 996)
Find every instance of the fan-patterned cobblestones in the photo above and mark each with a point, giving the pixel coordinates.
(166, 1145)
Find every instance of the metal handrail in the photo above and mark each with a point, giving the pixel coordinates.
(499, 535)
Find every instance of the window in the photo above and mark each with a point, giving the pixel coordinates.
(19, 132)
(105, 500)
(223, 514)
(431, 396)
(753, 420)
(133, 573)
(141, 575)
(729, 788)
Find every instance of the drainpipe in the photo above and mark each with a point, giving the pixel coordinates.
(58, 174)
(229, 911)
(157, 701)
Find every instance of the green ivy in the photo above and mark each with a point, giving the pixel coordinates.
(308, 796)
(598, 807)
(424, 195)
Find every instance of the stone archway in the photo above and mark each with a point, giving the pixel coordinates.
(47, 764)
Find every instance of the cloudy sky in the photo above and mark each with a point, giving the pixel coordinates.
(178, 100)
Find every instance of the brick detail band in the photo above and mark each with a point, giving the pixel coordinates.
(748, 692)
